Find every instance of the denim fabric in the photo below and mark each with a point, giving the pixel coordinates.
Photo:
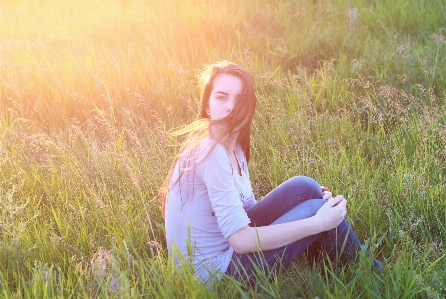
(297, 198)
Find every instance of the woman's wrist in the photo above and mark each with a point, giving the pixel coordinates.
(318, 224)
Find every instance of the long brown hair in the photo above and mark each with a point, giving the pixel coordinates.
(237, 123)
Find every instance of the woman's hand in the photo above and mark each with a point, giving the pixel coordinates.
(332, 212)
(325, 193)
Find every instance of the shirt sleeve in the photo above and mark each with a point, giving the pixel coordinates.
(249, 203)
(223, 195)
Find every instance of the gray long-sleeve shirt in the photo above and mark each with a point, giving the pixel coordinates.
(205, 205)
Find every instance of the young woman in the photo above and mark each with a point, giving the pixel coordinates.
(212, 218)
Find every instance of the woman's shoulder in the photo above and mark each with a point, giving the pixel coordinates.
(206, 150)
(212, 150)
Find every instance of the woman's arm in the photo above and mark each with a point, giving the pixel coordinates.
(253, 239)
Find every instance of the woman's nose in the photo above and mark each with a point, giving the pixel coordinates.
(231, 104)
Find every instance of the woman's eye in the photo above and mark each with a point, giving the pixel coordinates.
(221, 98)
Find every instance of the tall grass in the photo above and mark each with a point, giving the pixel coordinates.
(90, 90)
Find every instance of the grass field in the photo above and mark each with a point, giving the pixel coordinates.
(351, 93)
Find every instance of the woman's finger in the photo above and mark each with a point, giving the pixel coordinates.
(343, 203)
(327, 195)
(334, 201)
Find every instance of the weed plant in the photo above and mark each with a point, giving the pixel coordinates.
(351, 93)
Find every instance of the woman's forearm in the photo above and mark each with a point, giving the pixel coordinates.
(253, 239)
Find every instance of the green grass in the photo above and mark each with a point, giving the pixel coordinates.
(90, 90)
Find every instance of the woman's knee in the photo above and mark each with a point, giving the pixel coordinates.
(311, 188)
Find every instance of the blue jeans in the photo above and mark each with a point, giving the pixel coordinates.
(298, 198)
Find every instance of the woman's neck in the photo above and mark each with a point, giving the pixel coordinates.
(229, 142)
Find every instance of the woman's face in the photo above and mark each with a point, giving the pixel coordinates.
(224, 94)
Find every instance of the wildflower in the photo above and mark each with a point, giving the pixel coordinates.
(439, 38)
(154, 244)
